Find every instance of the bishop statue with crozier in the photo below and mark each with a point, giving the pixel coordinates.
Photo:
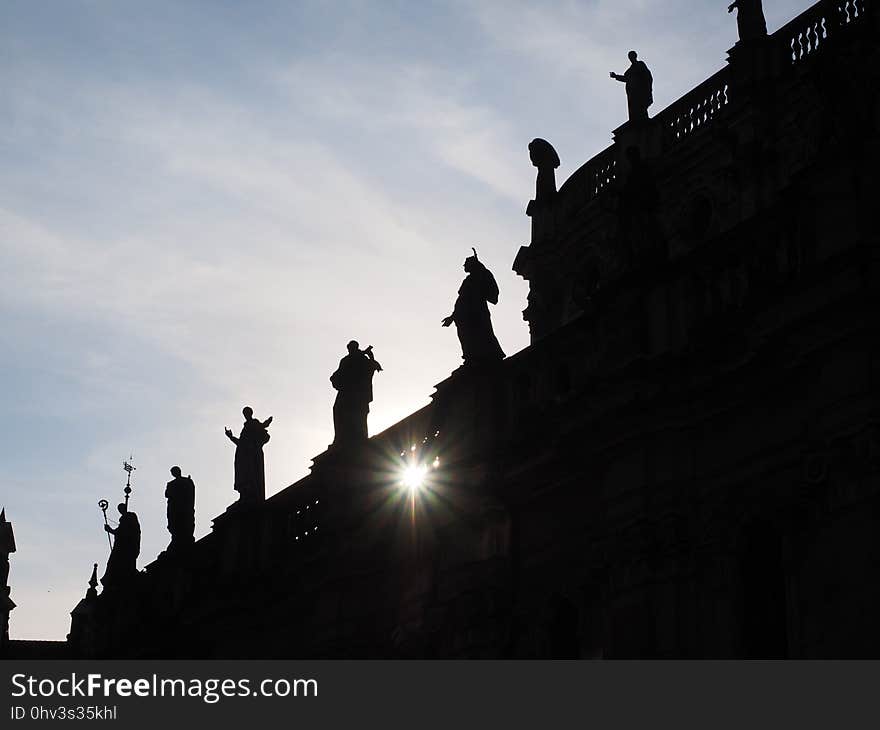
(122, 563)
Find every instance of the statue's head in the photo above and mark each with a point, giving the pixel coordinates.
(542, 154)
(122, 508)
(353, 347)
(247, 412)
(632, 55)
(175, 472)
(472, 263)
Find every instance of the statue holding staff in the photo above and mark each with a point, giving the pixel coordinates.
(122, 563)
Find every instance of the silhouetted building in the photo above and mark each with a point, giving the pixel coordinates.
(683, 463)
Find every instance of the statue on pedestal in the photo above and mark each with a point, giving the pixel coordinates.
(250, 471)
(639, 88)
(471, 314)
(353, 380)
(122, 563)
(544, 157)
(181, 495)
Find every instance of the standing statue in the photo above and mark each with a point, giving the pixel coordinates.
(471, 314)
(353, 380)
(7, 546)
(122, 563)
(750, 22)
(181, 495)
(250, 471)
(639, 88)
(544, 157)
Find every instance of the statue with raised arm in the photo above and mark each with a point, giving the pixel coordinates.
(353, 381)
(250, 471)
(122, 563)
(471, 314)
(750, 22)
(181, 495)
(639, 87)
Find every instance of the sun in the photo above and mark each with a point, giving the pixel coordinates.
(414, 477)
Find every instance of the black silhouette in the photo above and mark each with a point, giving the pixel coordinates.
(750, 22)
(250, 471)
(639, 88)
(471, 314)
(639, 200)
(181, 495)
(7, 546)
(353, 380)
(122, 563)
(544, 157)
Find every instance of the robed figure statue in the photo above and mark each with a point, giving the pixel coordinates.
(353, 380)
(471, 314)
(122, 563)
(250, 471)
(750, 22)
(181, 495)
(639, 87)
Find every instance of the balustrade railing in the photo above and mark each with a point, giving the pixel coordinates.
(809, 32)
(803, 37)
(696, 109)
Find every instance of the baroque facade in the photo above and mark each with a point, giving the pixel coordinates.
(683, 463)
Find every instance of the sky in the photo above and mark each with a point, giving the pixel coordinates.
(201, 203)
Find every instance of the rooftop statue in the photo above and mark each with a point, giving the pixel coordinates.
(544, 157)
(250, 470)
(471, 314)
(181, 495)
(750, 22)
(122, 563)
(639, 88)
(353, 380)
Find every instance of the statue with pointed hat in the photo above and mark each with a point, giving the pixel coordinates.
(471, 314)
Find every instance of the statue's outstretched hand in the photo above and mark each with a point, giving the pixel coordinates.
(448, 321)
(267, 422)
(106, 528)
(228, 432)
(731, 7)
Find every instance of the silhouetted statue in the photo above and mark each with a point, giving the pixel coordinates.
(471, 314)
(181, 495)
(122, 563)
(639, 88)
(750, 22)
(353, 380)
(250, 471)
(7, 546)
(544, 157)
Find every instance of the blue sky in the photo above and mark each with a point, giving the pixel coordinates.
(202, 202)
